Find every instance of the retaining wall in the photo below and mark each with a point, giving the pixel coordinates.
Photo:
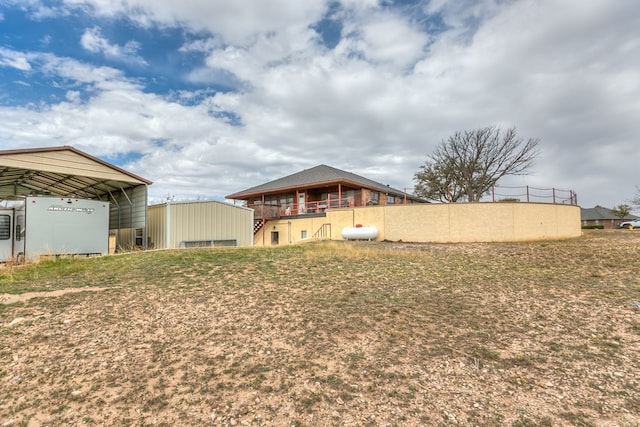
(441, 223)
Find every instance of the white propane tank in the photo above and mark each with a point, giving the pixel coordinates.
(359, 233)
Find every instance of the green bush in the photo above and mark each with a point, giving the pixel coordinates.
(593, 227)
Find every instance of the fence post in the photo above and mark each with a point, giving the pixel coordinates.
(527, 194)
(553, 190)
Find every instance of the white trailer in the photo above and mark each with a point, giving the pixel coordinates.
(6, 234)
(53, 226)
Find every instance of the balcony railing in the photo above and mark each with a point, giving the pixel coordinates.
(314, 207)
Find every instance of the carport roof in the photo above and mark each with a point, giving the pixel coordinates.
(61, 171)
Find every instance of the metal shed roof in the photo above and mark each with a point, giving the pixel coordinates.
(68, 172)
(61, 171)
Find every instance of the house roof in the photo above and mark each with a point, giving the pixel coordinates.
(61, 171)
(600, 213)
(317, 176)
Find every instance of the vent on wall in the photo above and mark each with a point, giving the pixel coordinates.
(207, 243)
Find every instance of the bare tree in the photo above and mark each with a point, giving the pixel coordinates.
(469, 163)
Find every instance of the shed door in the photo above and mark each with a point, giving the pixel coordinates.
(6, 242)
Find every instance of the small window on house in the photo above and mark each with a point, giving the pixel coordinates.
(303, 234)
(391, 200)
(374, 198)
(275, 237)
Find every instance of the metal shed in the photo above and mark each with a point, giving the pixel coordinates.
(175, 225)
(68, 172)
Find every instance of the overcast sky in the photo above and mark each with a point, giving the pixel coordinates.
(208, 98)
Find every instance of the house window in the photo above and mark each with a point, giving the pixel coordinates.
(286, 203)
(391, 200)
(303, 234)
(374, 198)
(332, 200)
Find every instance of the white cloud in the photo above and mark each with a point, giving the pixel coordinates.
(376, 104)
(392, 39)
(93, 41)
(37, 9)
(382, 36)
(14, 59)
(201, 45)
(236, 21)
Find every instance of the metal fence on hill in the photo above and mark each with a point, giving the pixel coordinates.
(531, 194)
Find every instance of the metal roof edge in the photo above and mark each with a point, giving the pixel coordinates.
(185, 202)
(78, 152)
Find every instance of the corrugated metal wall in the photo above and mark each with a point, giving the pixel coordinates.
(129, 208)
(202, 221)
(128, 217)
(156, 217)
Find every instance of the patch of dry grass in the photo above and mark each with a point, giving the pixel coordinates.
(334, 333)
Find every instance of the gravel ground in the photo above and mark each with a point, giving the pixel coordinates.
(332, 334)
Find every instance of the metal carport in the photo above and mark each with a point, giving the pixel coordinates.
(68, 172)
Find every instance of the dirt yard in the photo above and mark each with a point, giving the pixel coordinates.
(328, 334)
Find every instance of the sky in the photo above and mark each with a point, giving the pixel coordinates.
(210, 97)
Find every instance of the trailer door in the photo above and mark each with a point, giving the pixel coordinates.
(6, 242)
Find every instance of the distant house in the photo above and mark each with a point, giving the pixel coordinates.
(602, 216)
(313, 191)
